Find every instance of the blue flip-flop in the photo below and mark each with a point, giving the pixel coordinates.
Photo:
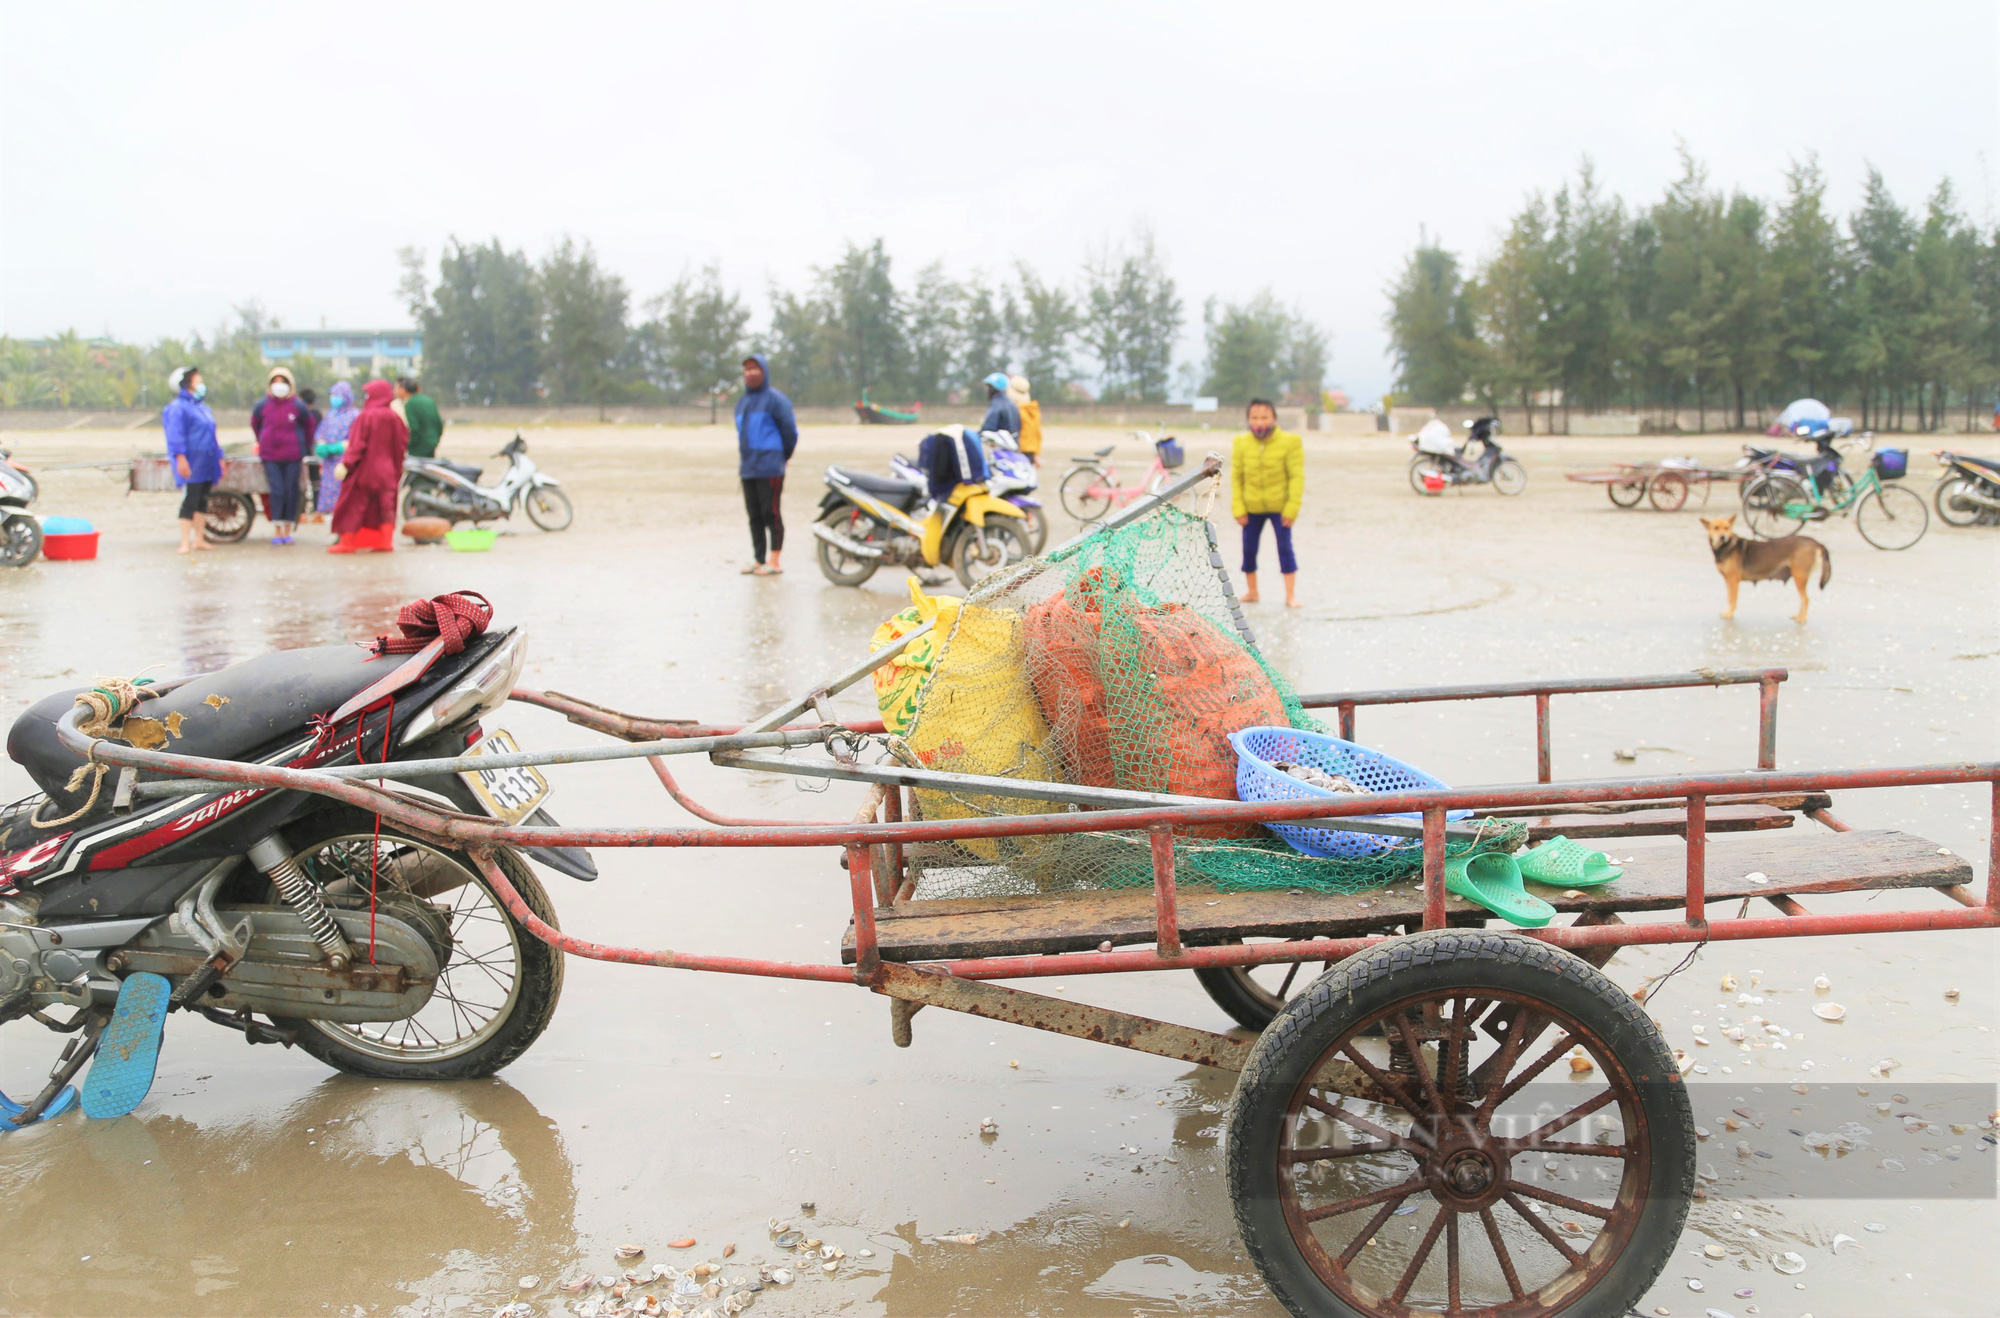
(121, 1075)
(9, 1109)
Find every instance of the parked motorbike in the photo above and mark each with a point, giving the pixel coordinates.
(1969, 492)
(434, 487)
(868, 522)
(281, 914)
(20, 533)
(1011, 475)
(1440, 462)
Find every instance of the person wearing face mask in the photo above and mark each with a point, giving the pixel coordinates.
(1267, 483)
(284, 429)
(192, 451)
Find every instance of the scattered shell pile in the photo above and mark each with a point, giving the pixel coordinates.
(1317, 777)
(715, 1288)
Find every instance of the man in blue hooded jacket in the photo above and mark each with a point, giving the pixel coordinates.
(766, 435)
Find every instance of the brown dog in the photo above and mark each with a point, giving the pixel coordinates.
(1788, 558)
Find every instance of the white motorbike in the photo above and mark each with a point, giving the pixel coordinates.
(433, 487)
(20, 533)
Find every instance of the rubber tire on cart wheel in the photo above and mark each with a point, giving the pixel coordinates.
(539, 966)
(1627, 493)
(1667, 491)
(230, 516)
(1409, 983)
(1510, 477)
(1252, 1002)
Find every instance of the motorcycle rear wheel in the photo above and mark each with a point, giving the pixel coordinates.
(548, 508)
(835, 563)
(451, 1037)
(1425, 463)
(1954, 501)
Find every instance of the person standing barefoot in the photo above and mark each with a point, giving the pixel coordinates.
(193, 452)
(767, 433)
(1267, 483)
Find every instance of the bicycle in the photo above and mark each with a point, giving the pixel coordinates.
(1888, 516)
(1091, 489)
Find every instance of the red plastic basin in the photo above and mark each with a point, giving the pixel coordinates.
(79, 546)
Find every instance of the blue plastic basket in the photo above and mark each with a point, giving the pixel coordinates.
(1172, 454)
(1256, 780)
(1892, 464)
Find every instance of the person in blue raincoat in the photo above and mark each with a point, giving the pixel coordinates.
(193, 452)
(766, 435)
(1001, 412)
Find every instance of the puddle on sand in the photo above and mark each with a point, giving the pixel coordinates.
(1162, 1279)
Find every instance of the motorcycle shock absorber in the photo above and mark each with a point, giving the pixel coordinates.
(272, 857)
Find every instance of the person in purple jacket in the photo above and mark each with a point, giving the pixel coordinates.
(192, 451)
(284, 429)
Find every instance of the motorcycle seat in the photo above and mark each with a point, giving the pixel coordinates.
(1988, 463)
(258, 702)
(471, 471)
(903, 494)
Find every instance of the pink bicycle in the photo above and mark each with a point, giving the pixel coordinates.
(1091, 489)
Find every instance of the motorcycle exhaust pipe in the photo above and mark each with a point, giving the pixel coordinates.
(845, 544)
(430, 503)
(1976, 496)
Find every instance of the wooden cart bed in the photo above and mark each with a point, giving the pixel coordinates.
(1655, 879)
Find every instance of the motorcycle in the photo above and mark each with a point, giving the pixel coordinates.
(285, 915)
(1969, 492)
(20, 533)
(1440, 462)
(434, 487)
(867, 522)
(1011, 476)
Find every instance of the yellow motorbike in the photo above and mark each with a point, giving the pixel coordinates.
(868, 522)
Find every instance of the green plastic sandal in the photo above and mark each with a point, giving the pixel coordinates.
(1492, 880)
(1561, 863)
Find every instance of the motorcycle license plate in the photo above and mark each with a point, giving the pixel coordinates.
(508, 794)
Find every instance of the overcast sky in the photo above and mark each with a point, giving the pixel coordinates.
(160, 163)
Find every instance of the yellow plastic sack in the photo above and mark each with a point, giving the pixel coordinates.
(898, 682)
(979, 716)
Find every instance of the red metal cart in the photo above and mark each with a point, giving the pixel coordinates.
(1494, 1080)
(1664, 484)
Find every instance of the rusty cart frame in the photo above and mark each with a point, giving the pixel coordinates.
(233, 503)
(1665, 485)
(1414, 979)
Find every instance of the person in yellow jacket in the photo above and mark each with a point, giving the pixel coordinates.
(1267, 483)
(1030, 438)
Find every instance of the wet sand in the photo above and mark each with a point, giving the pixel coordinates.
(254, 1180)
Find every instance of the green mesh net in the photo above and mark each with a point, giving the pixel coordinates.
(1123, 661)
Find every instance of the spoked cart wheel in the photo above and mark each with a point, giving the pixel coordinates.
(1628, 492)
(1667, 491)
(1254, 995)
(230, 515)
(1463, 1163)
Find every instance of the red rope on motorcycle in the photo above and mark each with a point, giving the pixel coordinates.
(456, 618)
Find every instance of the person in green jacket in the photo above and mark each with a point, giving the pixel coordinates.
(426, 426)
(1267, 483)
